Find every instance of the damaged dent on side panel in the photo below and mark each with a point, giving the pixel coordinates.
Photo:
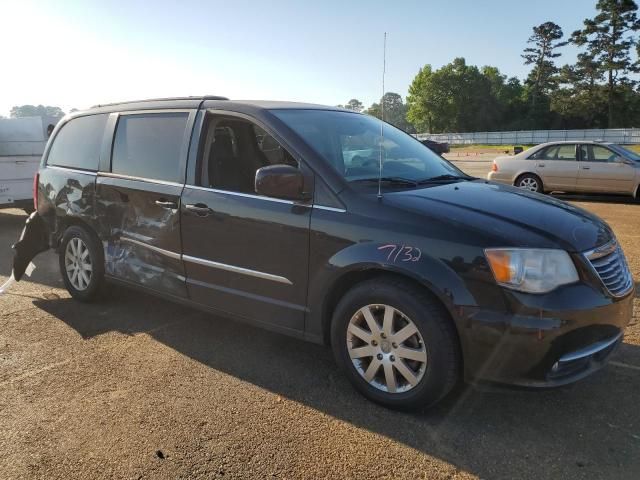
(141, 236)
(140, 261)
(66, 196)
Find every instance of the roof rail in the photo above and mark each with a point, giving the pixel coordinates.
(202, 98)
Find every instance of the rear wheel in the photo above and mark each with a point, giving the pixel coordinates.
(396, 344)
(82, 263)
(530, 182)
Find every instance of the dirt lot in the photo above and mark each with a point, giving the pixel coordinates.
(136, 387)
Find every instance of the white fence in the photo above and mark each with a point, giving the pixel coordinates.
(624, 136)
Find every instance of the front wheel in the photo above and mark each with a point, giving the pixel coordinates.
(396, 344)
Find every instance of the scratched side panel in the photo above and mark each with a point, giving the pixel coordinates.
(141, 238)
(65, 195)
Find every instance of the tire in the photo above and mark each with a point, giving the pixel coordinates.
(435, 342)
(530, 182)
(88, 264)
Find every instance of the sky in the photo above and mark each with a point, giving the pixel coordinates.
(75, 54)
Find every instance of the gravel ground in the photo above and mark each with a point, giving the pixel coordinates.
(136, 387)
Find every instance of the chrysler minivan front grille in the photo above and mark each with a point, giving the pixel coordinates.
(611, 266)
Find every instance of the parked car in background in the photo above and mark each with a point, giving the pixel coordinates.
(571, 166)
(436, 147)
(417, 275)
(22, 141)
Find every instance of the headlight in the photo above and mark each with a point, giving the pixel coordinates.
(531, 270)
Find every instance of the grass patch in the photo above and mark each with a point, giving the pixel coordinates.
(633, 148)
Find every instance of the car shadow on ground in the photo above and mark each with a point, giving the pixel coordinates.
(587, 429)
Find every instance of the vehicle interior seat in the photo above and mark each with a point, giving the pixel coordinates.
(222, 162)
(584, 155)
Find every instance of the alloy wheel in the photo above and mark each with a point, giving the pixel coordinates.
(529, 183)
(386, 348)
(77, 261)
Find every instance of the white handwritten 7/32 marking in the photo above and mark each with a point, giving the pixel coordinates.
(401, 253)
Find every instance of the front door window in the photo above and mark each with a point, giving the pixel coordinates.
(234, 149)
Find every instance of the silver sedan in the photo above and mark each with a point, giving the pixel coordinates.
(571, 166)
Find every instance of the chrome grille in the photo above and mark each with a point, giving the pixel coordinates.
(611, 266)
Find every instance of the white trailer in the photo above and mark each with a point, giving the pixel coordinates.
(22, 142)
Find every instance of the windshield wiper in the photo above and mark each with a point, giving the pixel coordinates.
(397, 180)
(441, 178)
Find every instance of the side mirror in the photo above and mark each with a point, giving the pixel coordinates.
(281, 181)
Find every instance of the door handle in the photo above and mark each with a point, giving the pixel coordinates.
(586, 168)
(199, 209)
(541, 164)
(166, 203)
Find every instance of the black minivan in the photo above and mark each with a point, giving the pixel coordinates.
(334, 227)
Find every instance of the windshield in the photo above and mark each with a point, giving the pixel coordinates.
(352, 144)
(625, 153)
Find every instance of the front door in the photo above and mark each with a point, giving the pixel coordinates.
(138, 200)
(244, 254)
(602, 171)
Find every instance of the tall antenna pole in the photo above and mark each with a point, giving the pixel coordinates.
(384, 68)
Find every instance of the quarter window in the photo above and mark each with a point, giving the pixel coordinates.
(78, 143)
(149, 145)
(233, 150)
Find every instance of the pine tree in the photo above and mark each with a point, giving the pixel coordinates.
(609, 38)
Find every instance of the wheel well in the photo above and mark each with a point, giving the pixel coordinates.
(66, 222)
(350, 279)
(515, 183)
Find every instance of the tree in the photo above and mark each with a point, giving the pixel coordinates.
(507, 104)
(456, 98)
(546, 40)
(581, 101)
(609, 38)
(395, 111)
(421, 110)
(36, 111)
(355, 105)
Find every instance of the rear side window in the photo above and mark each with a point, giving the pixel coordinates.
(556, 152)
(78, 143)
(149, 146)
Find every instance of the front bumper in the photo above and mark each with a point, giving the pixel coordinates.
(548, 341)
